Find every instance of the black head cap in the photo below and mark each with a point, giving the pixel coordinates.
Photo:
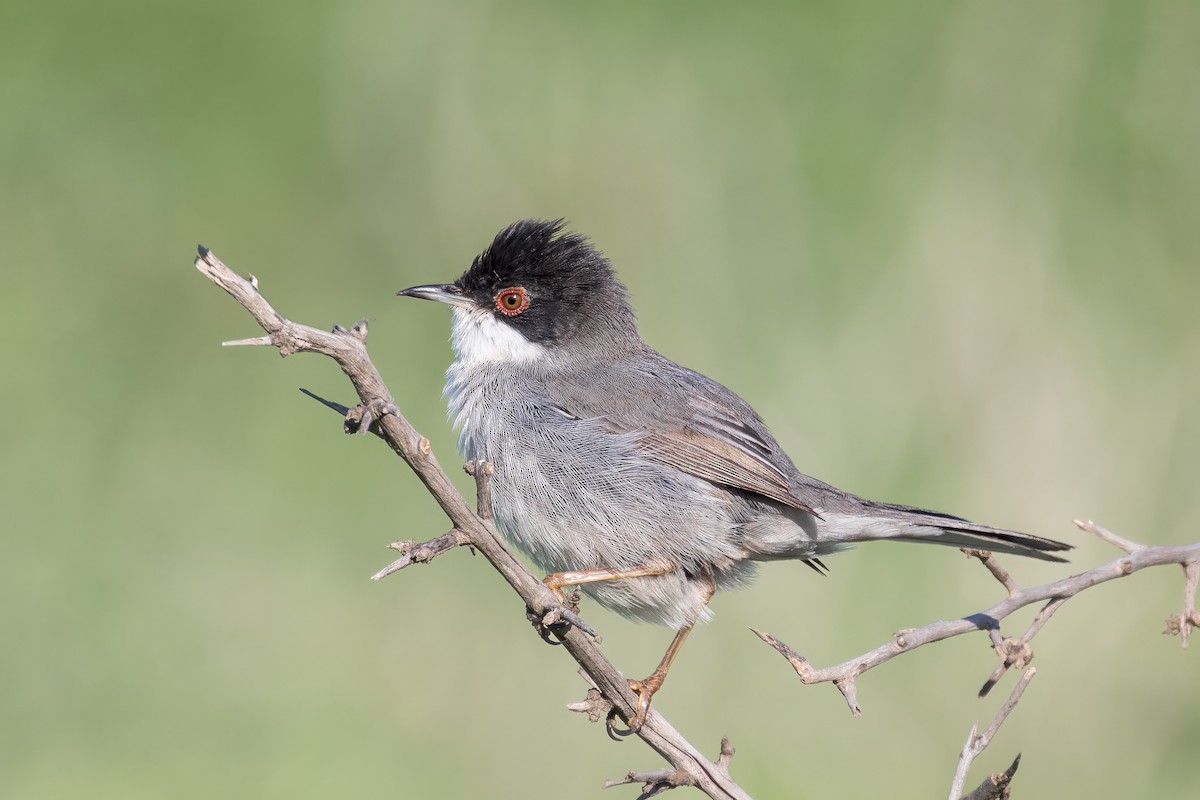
(570, 290)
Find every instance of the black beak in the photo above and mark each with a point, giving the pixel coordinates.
(442, 292)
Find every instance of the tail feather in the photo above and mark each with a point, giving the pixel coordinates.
(879, 521)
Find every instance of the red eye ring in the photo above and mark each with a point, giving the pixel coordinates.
(512, 301)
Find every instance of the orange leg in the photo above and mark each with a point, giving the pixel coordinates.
(646, 687)
(557, 580)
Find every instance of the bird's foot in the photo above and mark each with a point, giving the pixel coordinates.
(559, 617)
(644, 689)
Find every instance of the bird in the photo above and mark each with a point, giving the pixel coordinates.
(648, 485)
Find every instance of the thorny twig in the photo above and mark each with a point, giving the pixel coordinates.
(977, 742)
(1012, 652)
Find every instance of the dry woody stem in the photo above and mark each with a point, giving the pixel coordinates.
(1012, 652)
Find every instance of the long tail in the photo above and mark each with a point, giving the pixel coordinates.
(872, 521)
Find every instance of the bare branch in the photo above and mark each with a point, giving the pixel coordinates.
(1012, 652)
(1181, 624)
(482, 472)
(423, 553)
(1140, 557)
(379, 413)
(994, 567)
(844, 680)
(1017, 652)
(1107, 535)
(977, 742)
(657, 781)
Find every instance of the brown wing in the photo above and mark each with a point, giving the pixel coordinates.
(719, 461)
(716, 446)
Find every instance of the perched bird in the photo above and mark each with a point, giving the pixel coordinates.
(646, 483)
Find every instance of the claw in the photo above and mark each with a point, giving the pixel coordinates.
(644, 689)
(611, 728)
(560, 616)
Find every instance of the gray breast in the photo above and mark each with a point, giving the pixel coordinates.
(574, 495)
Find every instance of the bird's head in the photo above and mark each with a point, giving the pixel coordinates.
(536, 291)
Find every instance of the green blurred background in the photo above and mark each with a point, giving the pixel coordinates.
(948, 250)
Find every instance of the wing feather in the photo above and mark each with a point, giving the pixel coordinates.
(722, 461)
(685, 420)
(713, 444)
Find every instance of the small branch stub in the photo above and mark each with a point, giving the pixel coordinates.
(995, 786)
(1181, 624)
(657, 781)
(482, 472)
(593, 704)
(654, 782)
(423, 553)
(254, 341)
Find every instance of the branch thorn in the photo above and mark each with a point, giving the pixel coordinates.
(254, 341)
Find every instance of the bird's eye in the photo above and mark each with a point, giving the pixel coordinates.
(512, 301)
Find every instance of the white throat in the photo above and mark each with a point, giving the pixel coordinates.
(484, 347)
(479, 338)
